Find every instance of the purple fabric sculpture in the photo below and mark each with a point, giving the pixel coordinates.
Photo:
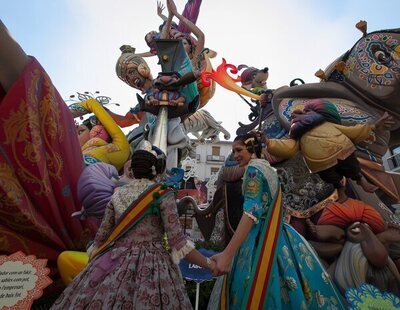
(95, 188)
(191, 12)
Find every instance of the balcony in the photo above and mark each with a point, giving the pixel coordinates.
(215, 158)
(394, 162)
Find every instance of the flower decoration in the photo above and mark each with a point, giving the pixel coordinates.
(368, 296)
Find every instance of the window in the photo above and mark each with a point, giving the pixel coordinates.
(395, 150)
(394, 160)
(216, 150)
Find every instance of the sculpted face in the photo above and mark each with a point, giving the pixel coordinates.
(98, 131)
(297, 115)
(260, 79)
(187, 44)
(83, 134)
(166, 81)
(138, 76)
(149, 38)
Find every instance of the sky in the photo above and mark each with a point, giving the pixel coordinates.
(77, 41)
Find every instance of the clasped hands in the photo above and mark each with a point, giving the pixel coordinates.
(220, 264)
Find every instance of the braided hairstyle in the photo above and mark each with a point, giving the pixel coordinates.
(145, 165)
(252, 142)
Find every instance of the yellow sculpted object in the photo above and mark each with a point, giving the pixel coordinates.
(117, 151)
(70, 263)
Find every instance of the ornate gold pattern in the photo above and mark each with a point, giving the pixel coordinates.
(5, 241)
(289, 212)
(28, 128)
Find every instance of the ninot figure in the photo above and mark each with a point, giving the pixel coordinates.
(327, 146)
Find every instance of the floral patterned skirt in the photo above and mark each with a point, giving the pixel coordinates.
(129, 276)
(298, 280)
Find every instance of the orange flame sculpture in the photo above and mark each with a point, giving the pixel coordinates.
(222, 77)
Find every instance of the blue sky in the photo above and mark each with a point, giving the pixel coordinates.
(77, 41)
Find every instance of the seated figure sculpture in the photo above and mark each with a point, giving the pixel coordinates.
(327, 146)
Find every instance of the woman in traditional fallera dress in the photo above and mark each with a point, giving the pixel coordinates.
(130, 267)
(273, 266)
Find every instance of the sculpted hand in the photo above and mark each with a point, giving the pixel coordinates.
(153, 101)
(358, 232)
(160, 8)
(385, 121)
(265, 99)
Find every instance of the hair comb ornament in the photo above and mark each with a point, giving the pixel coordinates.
(146, 146)
(249, 140)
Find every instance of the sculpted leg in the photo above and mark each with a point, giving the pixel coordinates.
(327, 250)
(372, 247)
(328, 233)
(390, 235)
(367, 186)
(342, 196)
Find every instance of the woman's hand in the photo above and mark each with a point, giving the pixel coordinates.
(223, 263)
(213, 268)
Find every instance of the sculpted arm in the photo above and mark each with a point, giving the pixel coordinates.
(12, 58)
(285, 148)
(192, 27)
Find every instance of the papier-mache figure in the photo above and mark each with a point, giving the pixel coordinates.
(327, 146)
(254, 79)
(175, 84)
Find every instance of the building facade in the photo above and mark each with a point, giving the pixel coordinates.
(391, 160)
(210, 157)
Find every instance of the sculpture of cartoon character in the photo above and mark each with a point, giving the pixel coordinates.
(326, 145)
(363, 84)
(133, 70)
(101, 140)
(193, 45)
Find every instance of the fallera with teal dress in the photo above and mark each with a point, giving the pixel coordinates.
(296, 279)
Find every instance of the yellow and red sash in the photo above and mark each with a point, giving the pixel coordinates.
(265, 256)
(144, 205)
